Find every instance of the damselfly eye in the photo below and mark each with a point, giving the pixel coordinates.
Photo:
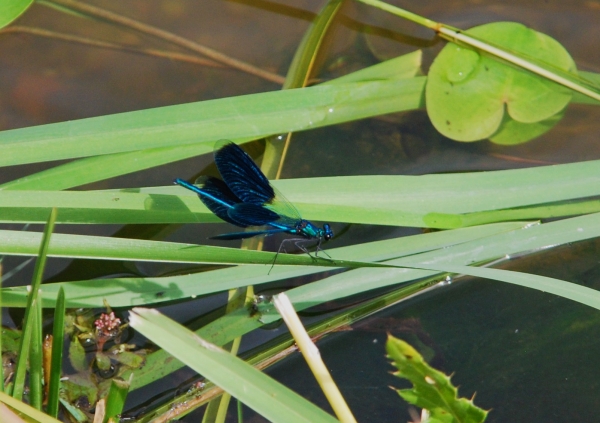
(328, 233)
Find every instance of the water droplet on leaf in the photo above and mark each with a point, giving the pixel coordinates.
(463, 64)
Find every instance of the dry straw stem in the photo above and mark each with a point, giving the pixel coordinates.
(312, 356)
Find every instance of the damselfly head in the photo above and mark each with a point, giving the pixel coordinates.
(327, 232)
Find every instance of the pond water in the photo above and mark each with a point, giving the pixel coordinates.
(528, 355)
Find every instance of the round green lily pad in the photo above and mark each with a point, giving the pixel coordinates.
(471, 96)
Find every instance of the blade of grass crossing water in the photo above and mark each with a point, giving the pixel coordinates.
(28, 323)
(58, 335)
(283, 345)
(122, 292)
(274, 401)
(97, 168)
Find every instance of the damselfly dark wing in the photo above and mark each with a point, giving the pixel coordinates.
(246, 198)
(242, 175)
(216, 196)
(252, 214)
(249, 184)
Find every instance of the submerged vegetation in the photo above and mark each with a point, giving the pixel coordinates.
(501, 82)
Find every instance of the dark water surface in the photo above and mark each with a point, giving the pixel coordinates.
(529, 356)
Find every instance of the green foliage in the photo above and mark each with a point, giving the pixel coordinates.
(471, 96)
(58, 335)
(11, 10)
(432, 390)
(269, 398)
(115, 400)
(203, 123)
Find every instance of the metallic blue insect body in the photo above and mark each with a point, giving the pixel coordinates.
(244, 197)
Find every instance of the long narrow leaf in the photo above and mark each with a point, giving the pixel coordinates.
(274, 401)
(58, 335)
(255, 115)
(478, 251)
(115, 400)
(105, 248)
(27, 410)
(304, 60)
(423, 201)
(35, 359)
(30, 312)
(83, 171)
(142, 291)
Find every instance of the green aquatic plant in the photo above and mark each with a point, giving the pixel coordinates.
(432, 390)
(469, 95)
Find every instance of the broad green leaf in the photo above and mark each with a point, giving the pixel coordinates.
(512, 132)
(546, 70)
(593, 78)
(267, 397)
(11, 10)
(467, 92)
(432, 389)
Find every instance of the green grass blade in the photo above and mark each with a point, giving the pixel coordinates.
(93, 169)
(478, 251)
(30, 313)
(240, 322)
(564, 289)
(58, 336)
(254, 115)
(304, 60)
(439, 201)
(23, 355)
(115, 401)
(106, 166)
(142, 291)
(266, 396)
(35, 359)
(26, 410)
(106, 248)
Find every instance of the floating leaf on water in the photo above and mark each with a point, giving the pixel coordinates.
(471, 96)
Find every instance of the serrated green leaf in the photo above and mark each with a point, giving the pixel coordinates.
(432, 389)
